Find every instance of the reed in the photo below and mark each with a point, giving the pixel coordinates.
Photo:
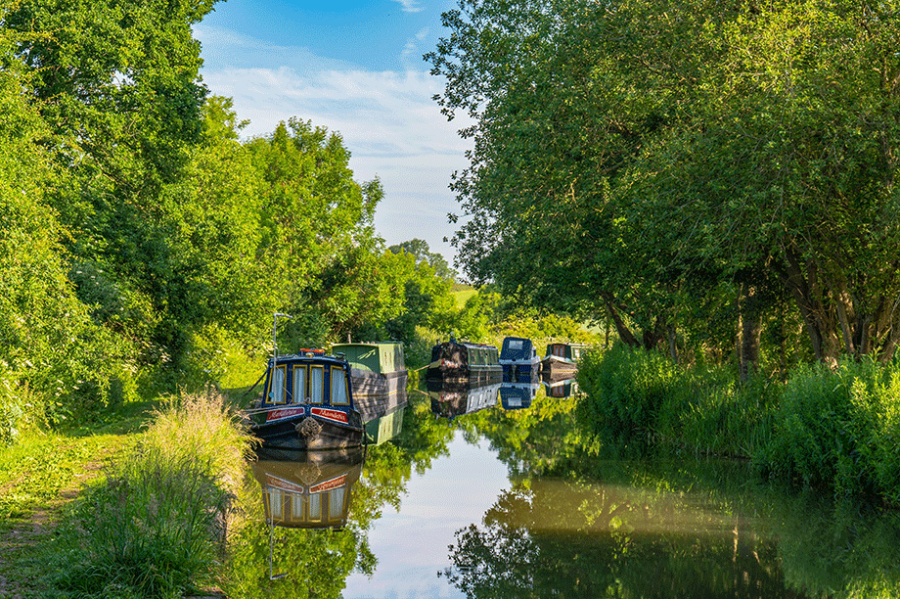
(836, 428)
(156, 525)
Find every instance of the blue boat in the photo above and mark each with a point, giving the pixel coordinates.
(519, 358)
(307, 404)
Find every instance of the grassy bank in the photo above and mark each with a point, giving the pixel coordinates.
(831, 428)
(151, 518)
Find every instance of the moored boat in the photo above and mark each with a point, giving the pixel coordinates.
(378, 375)
(518, 357)
(562, 358)
(461, 361)
(307, 404)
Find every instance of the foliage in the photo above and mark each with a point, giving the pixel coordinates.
(837, 428)
(658, 173)
(156, 524)
(824, 428)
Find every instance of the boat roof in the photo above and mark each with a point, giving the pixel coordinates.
(306, 355)
(375, 356)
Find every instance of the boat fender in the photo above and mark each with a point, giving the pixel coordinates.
(309, 428)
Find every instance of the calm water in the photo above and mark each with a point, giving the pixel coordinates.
(464, 496)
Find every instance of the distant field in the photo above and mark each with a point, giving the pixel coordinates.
(462, 296)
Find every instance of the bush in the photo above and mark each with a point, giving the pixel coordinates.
(626, 388)
(637, 395)
(838, 428)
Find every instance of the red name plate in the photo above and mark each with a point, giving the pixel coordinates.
(331, 414)
(286, 413)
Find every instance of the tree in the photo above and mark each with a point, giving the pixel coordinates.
(419, 249)
(680, 156)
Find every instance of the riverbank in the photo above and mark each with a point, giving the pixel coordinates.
(136, 507)
(40, 475)
(823, 428)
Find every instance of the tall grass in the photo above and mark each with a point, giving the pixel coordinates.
(834, 428)
(841, 428)
(156, 525)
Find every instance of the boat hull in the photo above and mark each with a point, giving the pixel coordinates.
(306, 428)
(377, 394)
(553, 365)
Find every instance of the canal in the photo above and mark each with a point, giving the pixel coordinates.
(497, 493)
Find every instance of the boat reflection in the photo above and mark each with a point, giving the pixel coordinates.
(308, 489)
(560, 387)
(452, 398)
(386, 427)
(517, 393)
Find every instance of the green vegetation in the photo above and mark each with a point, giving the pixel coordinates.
(152, 521)
(718, 183)
(688, 172)
(832, 428)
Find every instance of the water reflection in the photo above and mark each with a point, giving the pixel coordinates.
(560, 387)
(308, 489)
(544, 513)
(517, 393)
(452, 398)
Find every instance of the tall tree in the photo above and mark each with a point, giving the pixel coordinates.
(651, 158)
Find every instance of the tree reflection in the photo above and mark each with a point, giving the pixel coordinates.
(562, 540)
(582, 521)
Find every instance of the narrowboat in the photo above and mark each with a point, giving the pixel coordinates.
(307, 404)
(378, 375)
(308, 489)
(562, 358)
(461, 361)
(518, 357)
(450, 399)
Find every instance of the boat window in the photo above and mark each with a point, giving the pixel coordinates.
(316, 384)
(576, 352)
(276, 385)
(296, 506)
(339, 395)
(299, 384)
(336, 503)
(515, 344)
(276, 504)
(315, 506)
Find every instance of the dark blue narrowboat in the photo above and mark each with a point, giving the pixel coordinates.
(519, 358)
(307, 404)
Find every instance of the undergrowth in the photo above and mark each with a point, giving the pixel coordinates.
(837, 428)
(155, 525)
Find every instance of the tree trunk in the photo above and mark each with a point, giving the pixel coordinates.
(749, 334)
(622, 329)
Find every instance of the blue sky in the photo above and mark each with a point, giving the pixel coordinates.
(356, 68)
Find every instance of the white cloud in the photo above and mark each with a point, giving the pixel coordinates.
(388, 121)
(410, 5)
